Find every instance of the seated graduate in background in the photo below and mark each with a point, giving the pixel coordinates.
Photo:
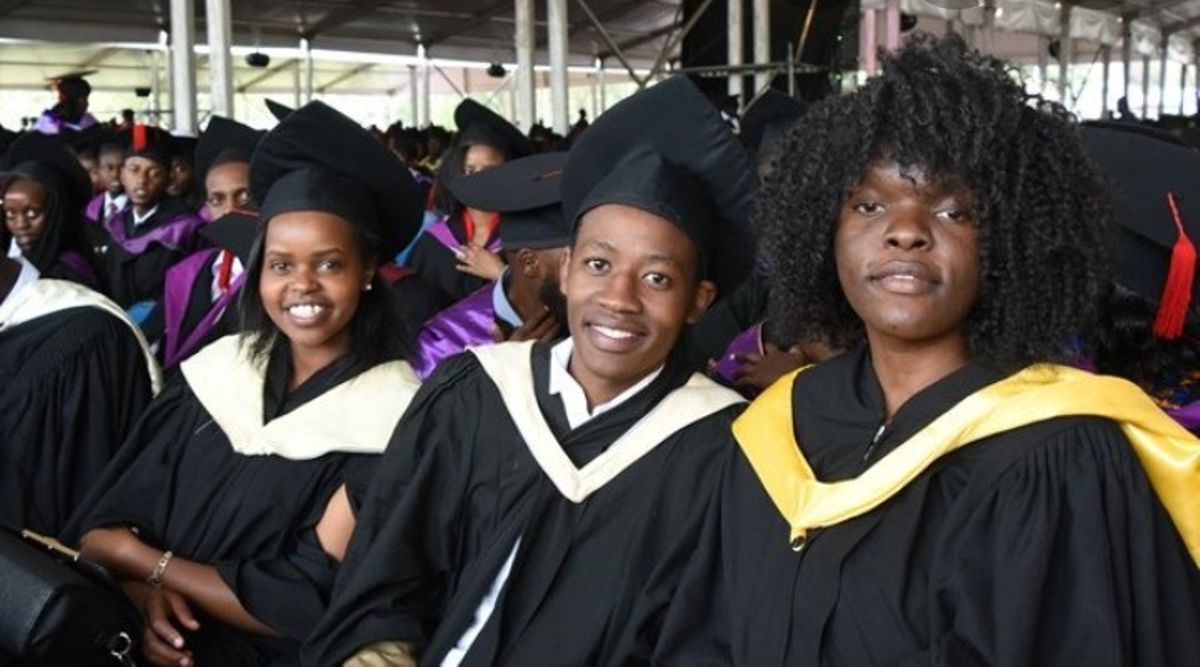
(227, 479)
(732, 341)
(44, 190)
(75, 375)
(1150, 330)
(526, 302)
(940, 494)
(110, 155)
(199, 291)
(70, 113)
(181, 177)
(143, 241)
(533, 493)
(458, 253)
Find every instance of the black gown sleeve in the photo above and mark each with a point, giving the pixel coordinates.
(395, 572)
(437, 267)
(1069, 559)
(80, 384)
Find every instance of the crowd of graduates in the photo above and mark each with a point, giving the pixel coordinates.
(903, 376)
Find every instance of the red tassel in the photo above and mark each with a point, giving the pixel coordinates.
(1177, 292)
(139, 138)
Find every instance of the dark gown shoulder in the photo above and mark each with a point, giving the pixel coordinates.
(1042, 545)
(72, 384)
(437, 267)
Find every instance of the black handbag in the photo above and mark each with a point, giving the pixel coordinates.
(59, 609)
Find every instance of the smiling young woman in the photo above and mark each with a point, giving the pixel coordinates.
(215, 514)
(942, 493)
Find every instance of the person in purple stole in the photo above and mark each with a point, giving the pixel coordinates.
(112, 199)
(1150, 329)
(43, 195)
(460, 253)
(198, 291)
(525, 302)
(70, 114)
(156, 231)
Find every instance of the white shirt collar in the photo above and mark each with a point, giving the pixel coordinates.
(25, 278)
(572, 395)
(14, 250)
(139, 219)
(118, 200)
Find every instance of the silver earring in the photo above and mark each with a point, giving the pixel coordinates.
(367, 287)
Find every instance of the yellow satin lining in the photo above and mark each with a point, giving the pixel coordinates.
(1169, 454)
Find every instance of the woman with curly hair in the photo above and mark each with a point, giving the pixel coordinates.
(943, 492)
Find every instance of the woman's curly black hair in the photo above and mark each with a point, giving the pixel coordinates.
(963, 120)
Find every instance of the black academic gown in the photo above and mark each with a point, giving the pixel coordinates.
(729, 316)
(72, 384)
(458, 486)
(178, 481)
(1044, 545)
(436, 265)
(137, 277)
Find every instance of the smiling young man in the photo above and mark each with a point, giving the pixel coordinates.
(536, 504)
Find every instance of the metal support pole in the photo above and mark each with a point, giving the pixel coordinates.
(1162, 75)
(556, 15)
(156, 86)
(736, 30)
(762, 42)
(306, 45)
(1145, 86)
(891, 26)
(1106, 61)
(868, 42)
(1065, 48)
(414, 109)
(425, 93)
(220, 57)
(525, 40)
(985, 35)
(1183, 70)
(183, 66)
(1126, 56)
(603, 87)
(297, 84)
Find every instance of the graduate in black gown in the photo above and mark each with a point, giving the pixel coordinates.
(525, 302)
(459, 253)
(939, 494)
(227, 478)
(198, 292)
(1150, 328)
(75, 375)
(141, 242)
(537, 502)
(44, 191)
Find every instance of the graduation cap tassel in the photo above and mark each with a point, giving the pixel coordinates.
(1177, 293)
(139, 137)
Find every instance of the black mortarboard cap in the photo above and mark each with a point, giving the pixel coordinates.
(666, 150)
(1145, 172)
(73, 85)
(479, 125)
(318, 159)
(147, 141)
(224, 140)
(183, 147)
(526, 194)
(236, 231)
(278, 110)
(45, 158)
(767, 117)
